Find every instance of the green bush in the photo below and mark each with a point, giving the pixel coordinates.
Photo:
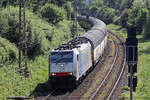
(146, 34)
(123, 18)
(106, 14)
(38, 31)
(35, 5)
(8, 52)
(40, 34)
(52, 13)
(62, 33)
(4, 3)
(93, 10)
(69, 9)
(59, 2)
(137, 18)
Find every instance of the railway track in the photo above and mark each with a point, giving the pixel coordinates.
(46, 97)
(58, 95)
(122, 70)
(105, 83)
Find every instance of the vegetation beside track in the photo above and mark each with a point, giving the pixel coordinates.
(142, 91)
(42, 37)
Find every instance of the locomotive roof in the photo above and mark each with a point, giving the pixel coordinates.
(97, 33)
(95, 36)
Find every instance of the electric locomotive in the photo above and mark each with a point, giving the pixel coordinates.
(70, 62)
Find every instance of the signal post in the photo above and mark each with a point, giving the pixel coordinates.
(132, 58)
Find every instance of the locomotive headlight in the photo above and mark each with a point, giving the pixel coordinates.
(70, 73)
(53, 74)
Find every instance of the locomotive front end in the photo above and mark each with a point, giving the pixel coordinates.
(62, 68)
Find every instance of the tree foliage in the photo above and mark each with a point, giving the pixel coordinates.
(8, 51)
(69, 9)
(4, 3)
(52, 13)
(34, 5)
(137, 18)
(124, 18)
(146, 34)
(9, 29)
(104, 13)
(59, 2)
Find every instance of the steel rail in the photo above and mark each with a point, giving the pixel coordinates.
(45, 98)
(121, 73)
(62, 96)
(102, 83)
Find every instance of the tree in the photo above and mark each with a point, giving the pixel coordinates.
(4, 3)
(124, 18)
(147, 4)
(137, 18)
(110, 3)
(106, 14)
(93, 10)
(59, 2)
(52, 13)
(69, 9)
(146, 34)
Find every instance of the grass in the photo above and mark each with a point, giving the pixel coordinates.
(8, 52)
(117, 29)
(143, 74)
(14, 84)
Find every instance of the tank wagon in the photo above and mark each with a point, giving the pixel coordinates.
(70, 62)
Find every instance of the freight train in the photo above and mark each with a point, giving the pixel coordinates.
(70, 62)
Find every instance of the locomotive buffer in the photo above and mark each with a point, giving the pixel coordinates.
(132, 58)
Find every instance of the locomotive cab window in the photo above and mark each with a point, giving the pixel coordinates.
(62, 57)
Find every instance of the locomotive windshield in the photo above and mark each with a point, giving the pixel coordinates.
(62, 57)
